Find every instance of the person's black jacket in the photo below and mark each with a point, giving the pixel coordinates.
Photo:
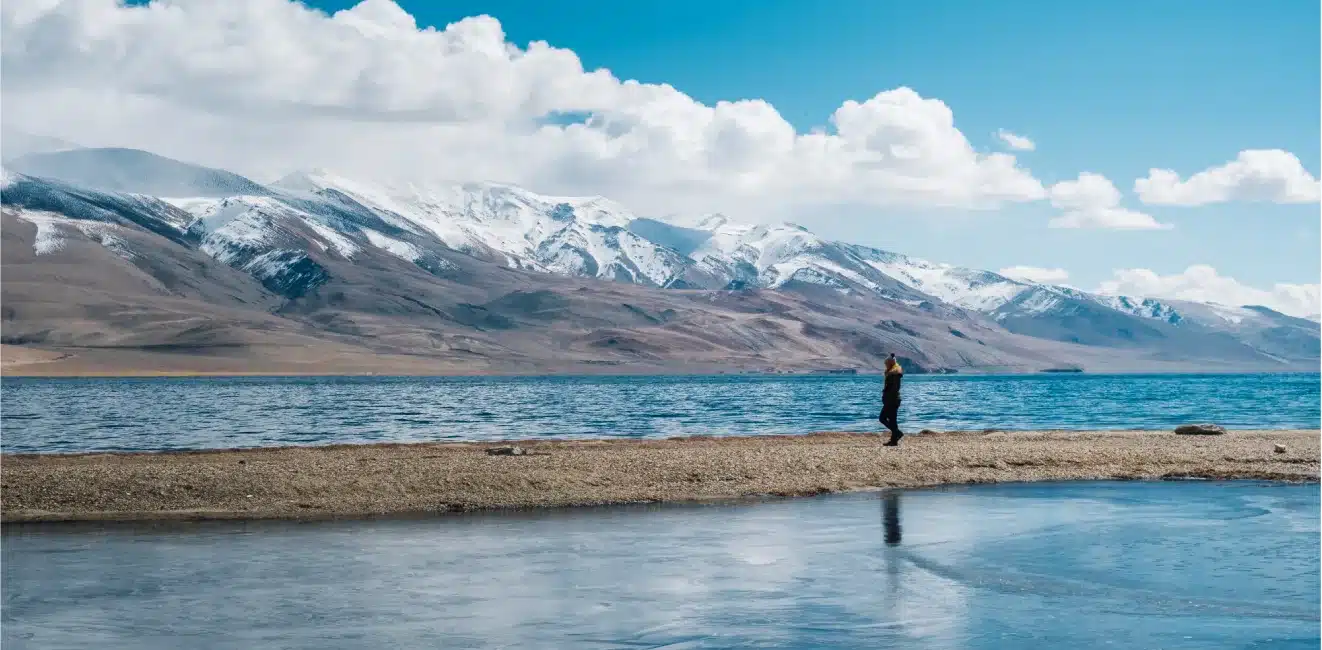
(890, 393)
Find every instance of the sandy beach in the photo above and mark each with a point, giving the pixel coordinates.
(358, 481)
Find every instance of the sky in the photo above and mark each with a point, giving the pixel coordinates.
(1168, 149)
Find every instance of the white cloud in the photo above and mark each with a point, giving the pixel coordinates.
(1016, 142)
(1092, 201)
(1036, 274)
(1254, 175)
(1202, 283)
(267, 86)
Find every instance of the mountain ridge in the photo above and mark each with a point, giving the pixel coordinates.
(316, 242)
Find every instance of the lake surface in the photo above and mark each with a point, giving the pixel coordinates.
(1083, 565)
(64, 415)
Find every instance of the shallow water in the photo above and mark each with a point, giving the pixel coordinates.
(61, 415)
(1085, 565)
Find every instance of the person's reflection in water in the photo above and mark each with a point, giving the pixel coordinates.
(890, 505)
(890, 526)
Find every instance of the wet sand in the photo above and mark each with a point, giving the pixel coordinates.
(360, 481)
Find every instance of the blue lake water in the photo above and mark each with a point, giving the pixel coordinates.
(63, 415)
(1083, 565)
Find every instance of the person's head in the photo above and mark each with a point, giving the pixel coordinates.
(890, 362)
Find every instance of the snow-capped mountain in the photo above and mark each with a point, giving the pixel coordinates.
(302, 232)
(775, 256)
(728, 255)
(563, 235)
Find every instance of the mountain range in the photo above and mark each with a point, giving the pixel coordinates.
(123, 261)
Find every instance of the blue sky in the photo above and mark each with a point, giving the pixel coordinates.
(1109, 87)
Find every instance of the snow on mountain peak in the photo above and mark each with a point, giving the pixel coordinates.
(709, 222)
(567, 235)
(309, 180)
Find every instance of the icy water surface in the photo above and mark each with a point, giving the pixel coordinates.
(1086, 565)
(61, 415)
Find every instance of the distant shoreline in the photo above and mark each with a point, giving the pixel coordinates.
(28, 362)
(394, 479)
(625, 371)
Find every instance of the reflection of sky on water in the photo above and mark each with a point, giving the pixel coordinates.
(1187, 565)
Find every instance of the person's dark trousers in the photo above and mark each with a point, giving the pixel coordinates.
(890, 412)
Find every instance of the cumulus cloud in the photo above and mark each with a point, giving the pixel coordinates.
(263, 87)
(1092, 201)
(1270, 175)
(1202, 283)
(1036, 274)
(1016, 142)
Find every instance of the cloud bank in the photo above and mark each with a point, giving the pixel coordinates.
(1204, 284)
(1269, 175)
(263, 87)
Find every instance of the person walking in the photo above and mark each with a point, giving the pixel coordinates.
(890, 401)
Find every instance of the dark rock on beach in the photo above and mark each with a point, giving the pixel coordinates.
(1200, 430)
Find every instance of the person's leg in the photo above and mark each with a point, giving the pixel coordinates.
(889, 418)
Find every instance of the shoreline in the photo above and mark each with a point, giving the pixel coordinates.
(347, 481)
(23, 362)
(618, 371)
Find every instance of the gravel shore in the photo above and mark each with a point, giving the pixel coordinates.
(354, 481)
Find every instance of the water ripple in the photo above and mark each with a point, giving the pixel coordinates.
(64, 415)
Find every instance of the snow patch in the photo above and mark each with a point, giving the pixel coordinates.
(652, 262)
(107, 235)
(229, 243)
(244, 220)
(963, 287)
(50, 238)
(1234, 315)
(1039, 302)
(340, 243)
(53, 232)
(271, 263)
(400, 249)
(234, 227)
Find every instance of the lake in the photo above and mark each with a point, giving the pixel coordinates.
(1082, 565)
(66, 415)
